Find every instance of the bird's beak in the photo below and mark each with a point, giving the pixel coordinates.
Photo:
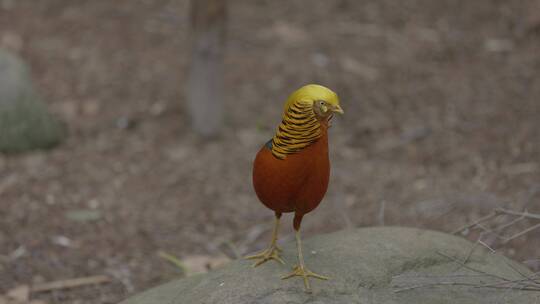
(337, 109)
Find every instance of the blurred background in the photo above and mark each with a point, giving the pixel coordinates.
(441, 125)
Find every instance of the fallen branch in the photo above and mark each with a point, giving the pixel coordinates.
(525, 213)
(489, 225)
(475, 223)
(430, 285)
(525, 283)
(483, 224)
(472, 268)
(466, 284)
(505, 280)
(508, 239)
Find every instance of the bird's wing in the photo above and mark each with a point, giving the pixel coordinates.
(269, 144)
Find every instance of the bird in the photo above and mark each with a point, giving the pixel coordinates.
(291, 171)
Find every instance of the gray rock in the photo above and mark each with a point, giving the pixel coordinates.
(25, 123)
(371, 265)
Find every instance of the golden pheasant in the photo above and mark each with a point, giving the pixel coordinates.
(291, 171)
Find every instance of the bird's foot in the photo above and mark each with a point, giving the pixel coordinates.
(271, 253)
(305, 273)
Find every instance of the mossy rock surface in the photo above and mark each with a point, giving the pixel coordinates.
(371, 265)
(25, 123)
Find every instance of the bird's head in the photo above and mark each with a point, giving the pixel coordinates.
(324, 101)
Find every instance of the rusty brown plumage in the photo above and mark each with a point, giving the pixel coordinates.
(291, 172)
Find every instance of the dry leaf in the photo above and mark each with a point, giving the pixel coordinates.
(20, 293)
(202, 263)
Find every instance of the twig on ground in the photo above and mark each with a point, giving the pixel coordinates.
(508, 239)
(233, 248)
(466, 284)
(490, 226)
(479, 241)
(472, 268)
(430, 285)
(524, 213)
(71, 283)
(526, 283)
(468, 257)
(475, 223)
(440, 276)
(382, 210)
(503, 283)
(486, 245)
(533, 191)
(525, 277)
(173, 260)
(509, 224)
(497, 230)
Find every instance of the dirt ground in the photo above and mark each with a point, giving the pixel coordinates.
(441, 125)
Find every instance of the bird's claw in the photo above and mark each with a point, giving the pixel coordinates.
(301, 271)
(271, 253)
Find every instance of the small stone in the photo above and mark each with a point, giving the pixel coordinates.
(498, 45)
(93, 203)
(61, 240)
(158, 108)
(420, 184)
(19, 252)
(25, 123)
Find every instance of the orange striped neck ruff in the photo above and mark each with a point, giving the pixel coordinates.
(298, 129)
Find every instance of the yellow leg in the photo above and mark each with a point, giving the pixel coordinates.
(300, 269)
(272, 252)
